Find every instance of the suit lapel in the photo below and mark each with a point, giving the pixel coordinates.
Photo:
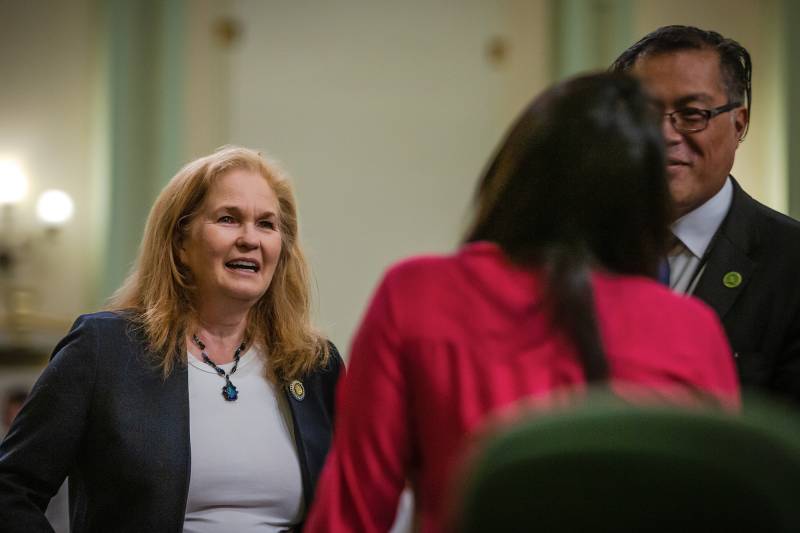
(730, 252)
(297, 409)
(178, 381)
(724, 259)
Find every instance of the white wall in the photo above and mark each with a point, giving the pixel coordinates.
(207, 70)
(47, 90)
(384, 114)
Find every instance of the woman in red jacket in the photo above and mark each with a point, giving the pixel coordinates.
(553, 289)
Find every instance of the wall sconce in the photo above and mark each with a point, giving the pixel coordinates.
(53, 208)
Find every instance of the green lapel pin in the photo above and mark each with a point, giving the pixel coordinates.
(732, 279)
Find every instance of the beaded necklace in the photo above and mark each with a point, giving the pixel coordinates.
(229, 390)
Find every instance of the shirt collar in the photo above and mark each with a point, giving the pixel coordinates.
(696, 228)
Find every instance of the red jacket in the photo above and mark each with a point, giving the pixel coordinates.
(448, 341)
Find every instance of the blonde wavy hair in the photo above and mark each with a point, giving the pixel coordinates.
(157, 294)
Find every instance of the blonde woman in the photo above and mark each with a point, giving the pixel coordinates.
(202, 400)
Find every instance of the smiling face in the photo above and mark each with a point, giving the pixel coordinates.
(697, 163)
(233, 243)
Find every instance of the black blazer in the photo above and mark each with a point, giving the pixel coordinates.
(762, 314)
(102, 413)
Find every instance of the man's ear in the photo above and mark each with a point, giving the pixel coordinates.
(741, 118)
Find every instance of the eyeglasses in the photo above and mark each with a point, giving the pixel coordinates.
(692, 119)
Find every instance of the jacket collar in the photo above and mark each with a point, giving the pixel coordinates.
(697, 228)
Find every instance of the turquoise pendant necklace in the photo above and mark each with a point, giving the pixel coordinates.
(229, 390)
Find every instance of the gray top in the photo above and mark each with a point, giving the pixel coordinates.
(245, 473)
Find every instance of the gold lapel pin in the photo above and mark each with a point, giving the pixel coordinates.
(297, 389)
(732, 279)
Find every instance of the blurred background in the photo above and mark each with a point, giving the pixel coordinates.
(384, 114)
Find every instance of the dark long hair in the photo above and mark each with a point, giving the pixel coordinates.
(578, 183)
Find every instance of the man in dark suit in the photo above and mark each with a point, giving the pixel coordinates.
(739, 256)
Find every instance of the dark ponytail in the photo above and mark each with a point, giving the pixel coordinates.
(570, 301)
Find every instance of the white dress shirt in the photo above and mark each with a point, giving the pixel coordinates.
(695, 230)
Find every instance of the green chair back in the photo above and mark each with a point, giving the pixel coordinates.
(607, 466)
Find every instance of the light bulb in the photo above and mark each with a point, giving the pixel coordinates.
(13, 184)
(54, 207)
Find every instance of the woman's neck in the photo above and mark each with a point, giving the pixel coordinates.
(221, 334)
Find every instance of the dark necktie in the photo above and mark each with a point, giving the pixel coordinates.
(663, 272)
(675, 246)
